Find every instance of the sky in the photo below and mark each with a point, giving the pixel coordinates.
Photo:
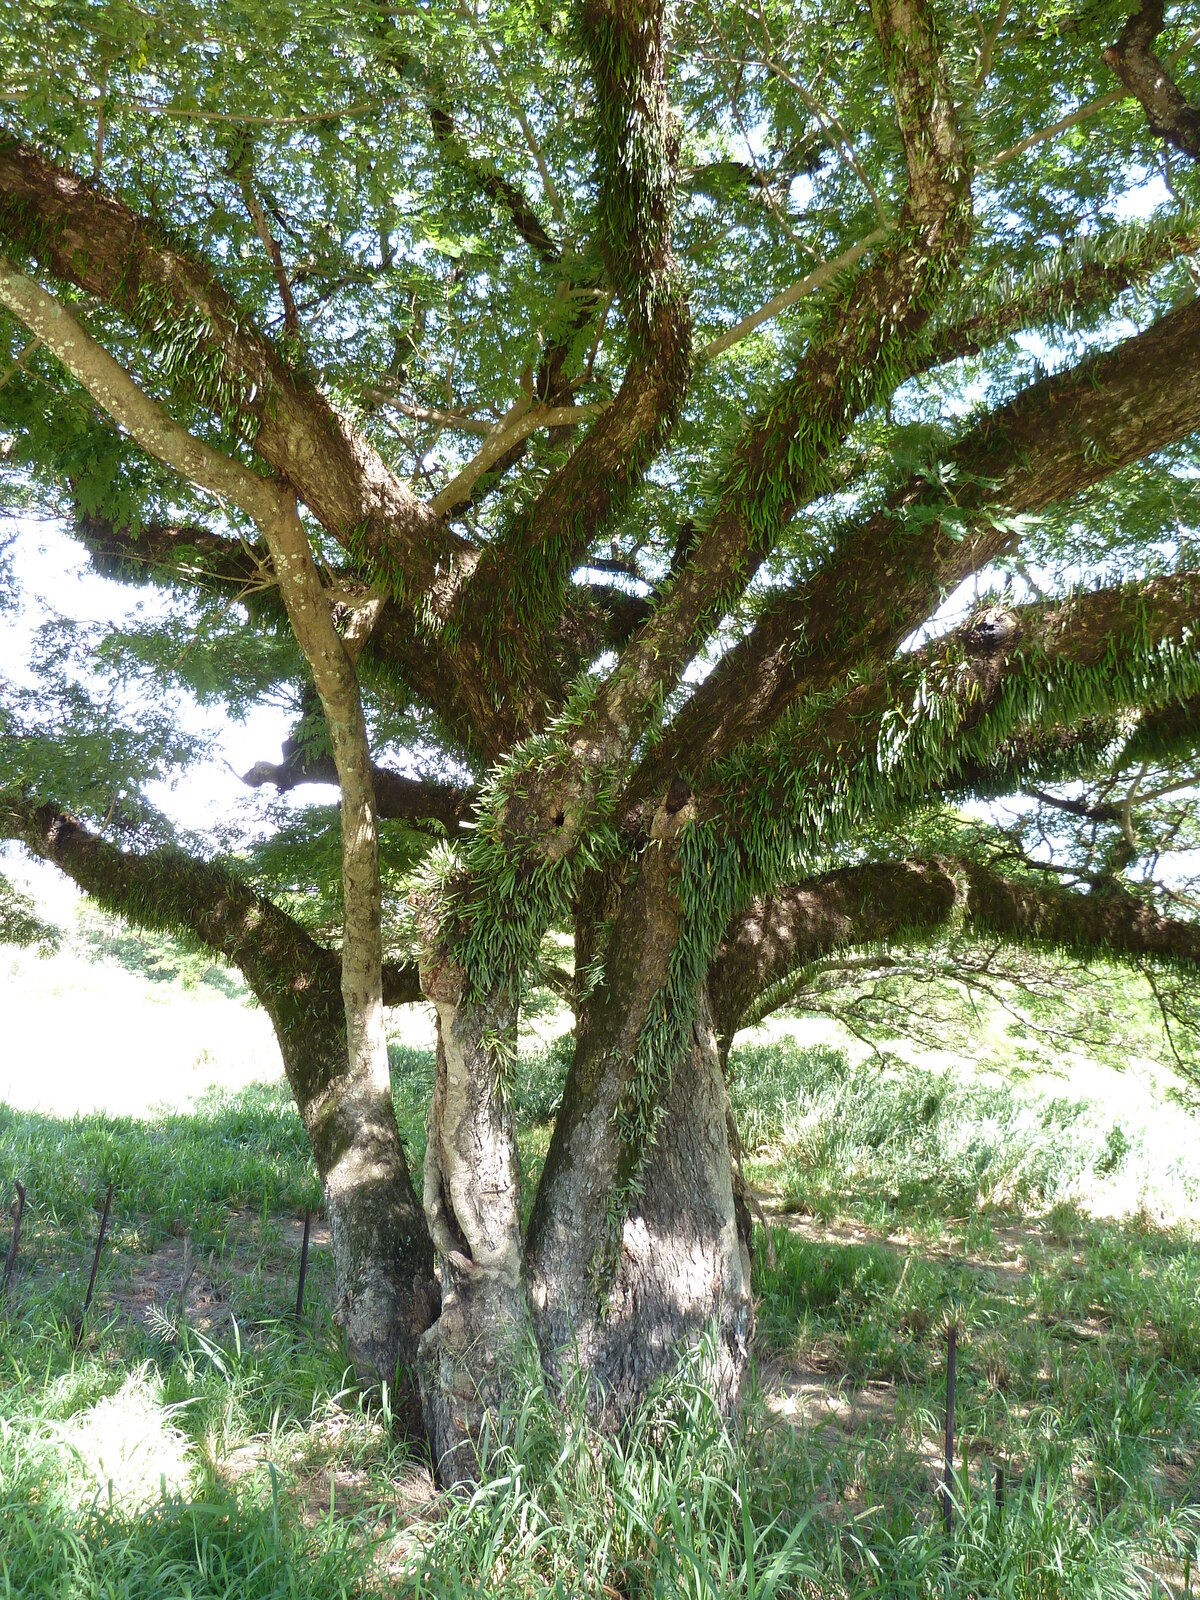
(55, 577)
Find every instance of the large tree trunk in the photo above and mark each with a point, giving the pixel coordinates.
(471, 1356)
(683, 1270)
(385, 1291)
(621, 1288)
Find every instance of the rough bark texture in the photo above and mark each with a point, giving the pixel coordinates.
(681, 1265)
(569, 1230)
(385, 1292)
(470, 1356)
(1133, 60)
(907, 901)
(684, 1265)
(1056, 439)
(619, 1297)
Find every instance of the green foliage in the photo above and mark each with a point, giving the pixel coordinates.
(209, 1548)
(1078, 1363)
(468, 203)
(796, 796)
(20, 922)
(667, 1508)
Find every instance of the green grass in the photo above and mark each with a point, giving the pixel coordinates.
(231, 1457)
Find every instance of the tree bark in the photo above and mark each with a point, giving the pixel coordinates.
(682, 1260)
(617, 1297)
(1134, 61)
(684, 1267)
(470, 1358)
(385, 1292)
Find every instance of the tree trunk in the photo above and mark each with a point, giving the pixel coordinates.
(684, 1266)
(469, 1359)
(385, 1291)
(682, 1263)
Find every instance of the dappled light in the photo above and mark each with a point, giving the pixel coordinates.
(600, 800)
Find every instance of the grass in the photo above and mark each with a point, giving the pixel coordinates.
(216, 1449)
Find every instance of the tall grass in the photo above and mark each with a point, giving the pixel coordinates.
(236, 1460)
(888, 1141)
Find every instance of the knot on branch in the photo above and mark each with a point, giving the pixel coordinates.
(992, 630)
(442, 980)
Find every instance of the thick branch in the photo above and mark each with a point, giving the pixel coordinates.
(1094, 283)
(168, 892)
(1132, 58)
(903, 901)
(273, 509)
(519, 587)
(89, 239)
(1054, 440)
(893, 740)
(781, 460)
(399, 799)
(162, 552)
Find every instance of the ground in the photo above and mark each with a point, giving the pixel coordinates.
(193, 1437)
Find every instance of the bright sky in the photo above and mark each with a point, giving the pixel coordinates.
(55, 578)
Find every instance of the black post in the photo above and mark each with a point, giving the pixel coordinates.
(303, 1265)
(87, 1299)
(948, 1476)
(18, 1216)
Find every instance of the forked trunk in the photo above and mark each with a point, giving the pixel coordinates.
(632, 1255)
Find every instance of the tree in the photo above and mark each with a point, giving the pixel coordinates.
(608, 401)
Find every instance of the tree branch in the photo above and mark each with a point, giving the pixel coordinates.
(185, 553)
(512, 429)
(167, 891)
(273, 509)
(87, 238)
(1093, 283)
(892, 741)
(1052, 131)
(886, 576)
(291, 317)
(495, 185)
(1132, 58)
(808, 284)
(399, 799)
(906, 901)
(518, 589)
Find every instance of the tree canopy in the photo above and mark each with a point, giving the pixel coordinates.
(670, 462)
